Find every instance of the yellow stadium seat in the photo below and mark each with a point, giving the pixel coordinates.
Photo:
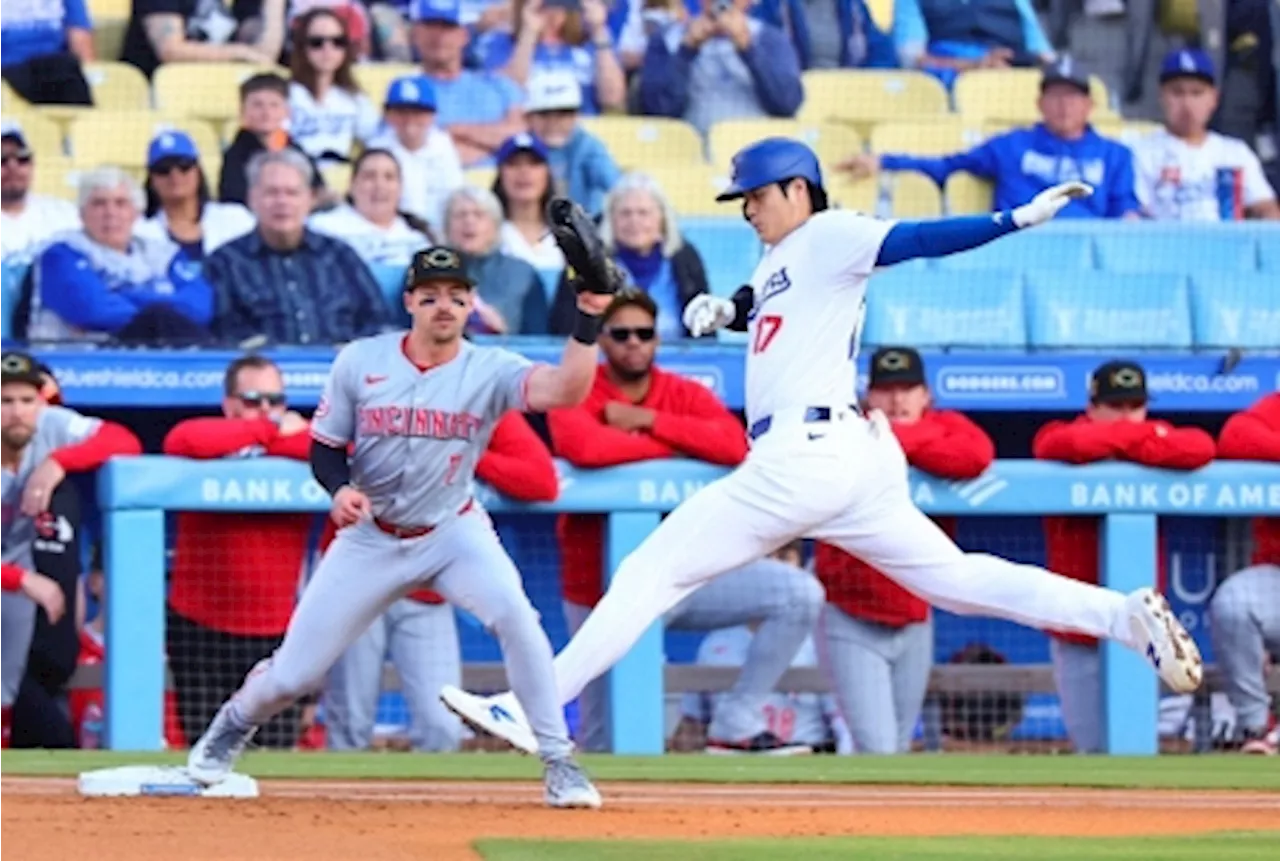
(692, 189)
(207, 90)
(914, 195)
(375, 78)
(638, 143)
(831, 142)
(862, 98)
(1010, 95)
(862, 195)
(108, 36)
(337, 178)
(965, 193)
(109, 9)
(882, 13)
(1128, 132)
(43, 135)
(55, 177)
(122, 138)
(118, 87)
(939, 137)
(481, 177)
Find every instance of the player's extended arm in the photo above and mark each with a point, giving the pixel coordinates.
(1250, 436)
(584, 441)
(1171, 448)
(701, 428)
(1083, 442)
(946, 444)
(517, 464)
(911, 240)
(210, 438)
(109, 440)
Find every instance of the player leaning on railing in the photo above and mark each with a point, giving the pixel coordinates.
(41, 444)
(419, 408)
(818, 468)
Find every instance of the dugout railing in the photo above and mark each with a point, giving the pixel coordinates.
(136, 493)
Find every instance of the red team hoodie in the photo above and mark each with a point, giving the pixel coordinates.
(942, 443)
(1072, 542)
(1254, 434)
(690, 422)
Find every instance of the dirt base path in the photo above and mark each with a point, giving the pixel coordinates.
(44, 819)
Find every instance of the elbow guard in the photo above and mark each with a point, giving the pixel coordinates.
(742, 300)
(329, 466)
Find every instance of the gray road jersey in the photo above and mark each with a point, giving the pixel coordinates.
(56, 427)
(418, 434)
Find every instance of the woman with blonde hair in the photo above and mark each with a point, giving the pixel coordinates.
(640, 230)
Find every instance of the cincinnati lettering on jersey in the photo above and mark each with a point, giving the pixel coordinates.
(778, 282)
(407, 421)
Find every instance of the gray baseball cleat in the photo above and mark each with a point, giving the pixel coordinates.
(569, 787)
(214, 756)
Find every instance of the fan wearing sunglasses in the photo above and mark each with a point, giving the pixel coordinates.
(27, 220)
(635, 412)
(235, 576)
(327, 109)
(179, 210)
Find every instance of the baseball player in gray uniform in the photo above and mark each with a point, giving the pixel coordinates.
(419, 408)
(41, 444)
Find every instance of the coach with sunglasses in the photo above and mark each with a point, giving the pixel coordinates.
(179, 210)
(235, 576)
(636, 412)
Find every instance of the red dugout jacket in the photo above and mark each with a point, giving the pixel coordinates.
(1254, 434)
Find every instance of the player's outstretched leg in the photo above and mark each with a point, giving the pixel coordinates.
(335, 608)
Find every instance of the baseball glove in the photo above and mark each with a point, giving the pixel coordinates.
(590, 268)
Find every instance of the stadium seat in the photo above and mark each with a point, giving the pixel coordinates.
(55, 177)
(1040, 249)
(882, 13)
(118, 87)
(831, 142)
(862, 195)
(929, 310)
(729, 250)
(1104, 310)
(44, 136)
(375, 78)
(207, 90)
(337, 177)
(10, 99)
(692, 189)
(1157, 248)
(391, 281)
(122, 138)
(481, 177)
(637, 143)
(1011, 95)
(1233, 310)
(862, 98)
(965, 193)
(108, 35)
(914, 195)
(943, 136)
(1128, 132)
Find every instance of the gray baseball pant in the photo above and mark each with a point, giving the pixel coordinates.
(1244, 617)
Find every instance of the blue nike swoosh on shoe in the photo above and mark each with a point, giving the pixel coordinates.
(1151, 653)
(499, 713)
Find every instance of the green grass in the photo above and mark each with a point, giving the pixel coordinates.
(1227, 846)
(1169, 772)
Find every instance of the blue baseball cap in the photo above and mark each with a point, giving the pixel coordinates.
(415, 92)
(171, 144)
(439, 11)
(523, 142)
(768, 161)
(1187, 63)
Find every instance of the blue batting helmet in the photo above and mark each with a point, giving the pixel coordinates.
(769, 161)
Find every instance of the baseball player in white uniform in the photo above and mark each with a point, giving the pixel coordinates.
(419, 408)
(817, 467)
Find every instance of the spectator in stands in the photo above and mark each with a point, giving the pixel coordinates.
(579, 160)
(636, 21)
(178, 209)
(831, 34)
(480, 110)
(187, 31)
(328, 111)
(42, 47)
(371, 221)
(429, 161)
(389, 30)
(640, 229)
(637, 412)
(509, 287)
(1185, 172)
(945, 38)
(721, 65)
(264, 116)
(353, 15)
(808, 719)
(284, 281)
(561, 35)
(1023, 162)
(418, 631)
(1244, 613)
(27, 221)
(235, 577)
(1115, 426)
(524, 186)
(878, 636)
(102, 281)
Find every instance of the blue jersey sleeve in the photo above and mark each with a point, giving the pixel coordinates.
(76, 14)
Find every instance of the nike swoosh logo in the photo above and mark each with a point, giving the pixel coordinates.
(816, 435)
(373, 380)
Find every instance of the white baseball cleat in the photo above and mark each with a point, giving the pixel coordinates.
(500, 716)
(567, 786)
(215, 753)
(1162, 640)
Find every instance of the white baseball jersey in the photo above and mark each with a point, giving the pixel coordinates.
(332, 125)
(1175, 181)
(810, 304)
(801, 718)
(24, 236)
(417, 434)
(427, 174)
(377, 246)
